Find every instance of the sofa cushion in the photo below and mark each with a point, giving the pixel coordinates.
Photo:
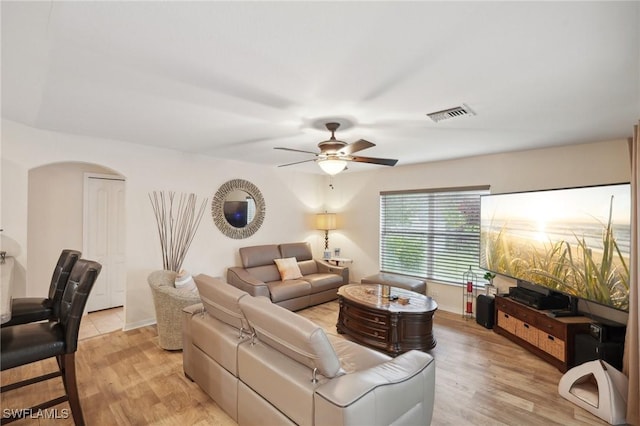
(288, 268)
(291, 334)
(291, 289)
(280, 381)
(308, 267)
(323, 282)
(220, 300)
(301, 251)
(259, 255)
(355, 357)
(265, 273)
(217, 340)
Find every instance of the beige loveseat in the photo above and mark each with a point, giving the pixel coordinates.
(266, 365)
(259, 276)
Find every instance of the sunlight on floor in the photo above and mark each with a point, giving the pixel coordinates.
(101, 322)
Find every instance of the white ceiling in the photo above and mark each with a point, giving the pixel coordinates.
(236, 79)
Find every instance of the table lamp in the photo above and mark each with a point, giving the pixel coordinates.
(326, 222)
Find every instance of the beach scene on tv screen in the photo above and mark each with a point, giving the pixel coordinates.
(575, 240)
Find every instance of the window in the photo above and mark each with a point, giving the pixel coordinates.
(431, 233)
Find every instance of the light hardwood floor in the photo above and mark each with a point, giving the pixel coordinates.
(481, 379)
(101, 322)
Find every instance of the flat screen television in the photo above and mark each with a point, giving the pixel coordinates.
(575, 241)
(236, 213)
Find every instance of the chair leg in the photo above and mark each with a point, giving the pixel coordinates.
(71, 387)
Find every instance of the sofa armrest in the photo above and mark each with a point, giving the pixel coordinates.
(188, 312)
(400, 391)
(332, 269)
(240, 278)
(192, 310)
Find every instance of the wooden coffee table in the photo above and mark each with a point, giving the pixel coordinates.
(386, 324)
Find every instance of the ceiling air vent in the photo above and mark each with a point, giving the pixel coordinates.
(454, 112)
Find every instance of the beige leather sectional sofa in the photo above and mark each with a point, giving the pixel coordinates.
(266, 365)
(259, 276)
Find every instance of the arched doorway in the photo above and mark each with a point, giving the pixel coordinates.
(56, 209)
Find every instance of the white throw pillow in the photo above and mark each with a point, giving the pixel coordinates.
(288, 268)
(184, 282)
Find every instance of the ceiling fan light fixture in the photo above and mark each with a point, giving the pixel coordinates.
(334, 154)
(332, 166)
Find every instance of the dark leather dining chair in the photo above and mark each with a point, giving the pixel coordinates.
(31, 309)
(27, 343)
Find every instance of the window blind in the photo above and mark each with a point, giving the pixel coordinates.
(431, 233)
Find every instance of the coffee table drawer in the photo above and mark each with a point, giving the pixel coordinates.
(365, 330)
(372, 319)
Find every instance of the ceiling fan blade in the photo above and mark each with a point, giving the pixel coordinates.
(296, 150)
(371, 160)
(357, 146)
(297, 162)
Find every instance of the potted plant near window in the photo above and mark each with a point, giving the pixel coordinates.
(489, 276)
(491, 290)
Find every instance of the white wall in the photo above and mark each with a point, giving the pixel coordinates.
(292, 198)
(356, 195)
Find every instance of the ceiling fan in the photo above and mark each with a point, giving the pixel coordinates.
(334, 154)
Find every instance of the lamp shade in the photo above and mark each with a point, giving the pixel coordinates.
(332, 166)
(326, 221)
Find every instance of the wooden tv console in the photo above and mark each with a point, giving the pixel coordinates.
(552, 339)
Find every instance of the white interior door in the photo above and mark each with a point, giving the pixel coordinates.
(104, 238)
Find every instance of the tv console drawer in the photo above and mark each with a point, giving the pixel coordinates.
(552, 345)
(507, 321)
(552, 327)
(527, 332)
(505, 306)
(518, 310)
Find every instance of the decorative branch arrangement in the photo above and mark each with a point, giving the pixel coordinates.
(177, 225)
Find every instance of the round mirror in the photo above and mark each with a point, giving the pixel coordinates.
(238, 209)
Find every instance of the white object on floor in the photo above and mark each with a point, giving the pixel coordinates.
(599, 388)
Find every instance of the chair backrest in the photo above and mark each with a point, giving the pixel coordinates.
(81, 280)
(60, 277)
